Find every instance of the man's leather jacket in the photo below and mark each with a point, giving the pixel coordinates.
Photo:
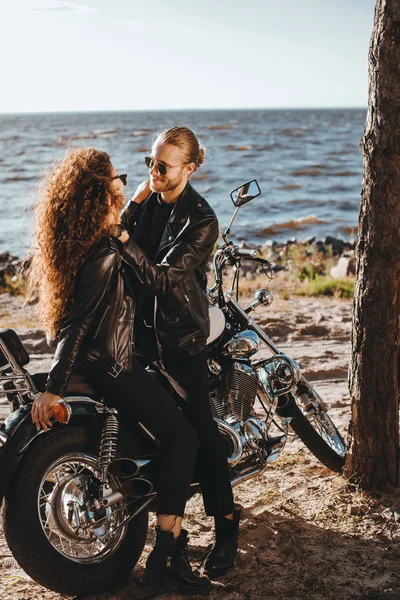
(182, 318)
(99, 322)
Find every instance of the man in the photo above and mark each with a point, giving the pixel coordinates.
(176, 230)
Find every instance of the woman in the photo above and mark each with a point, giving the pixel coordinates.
(85, 305)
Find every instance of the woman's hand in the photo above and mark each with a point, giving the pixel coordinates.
(41, 410)
(124, 237)
(143, 191)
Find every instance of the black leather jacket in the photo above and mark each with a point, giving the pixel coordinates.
(99, 323)
(182, 318)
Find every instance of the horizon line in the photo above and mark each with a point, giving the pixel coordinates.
(205, 109)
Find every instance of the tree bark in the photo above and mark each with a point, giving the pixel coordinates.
(374, 429)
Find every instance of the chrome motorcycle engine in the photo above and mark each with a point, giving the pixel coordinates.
(234, 392)
(232, 396)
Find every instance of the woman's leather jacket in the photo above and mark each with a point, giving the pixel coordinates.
(99, 323)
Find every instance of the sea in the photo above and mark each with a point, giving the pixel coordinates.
(308, 165)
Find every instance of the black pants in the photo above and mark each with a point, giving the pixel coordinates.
(140, 394)
(190, 371)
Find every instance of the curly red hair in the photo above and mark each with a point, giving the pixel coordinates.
(75, 198)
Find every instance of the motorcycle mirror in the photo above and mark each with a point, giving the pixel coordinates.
(246, 192)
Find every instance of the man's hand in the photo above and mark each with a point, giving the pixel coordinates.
(143, 191)
(41, 410)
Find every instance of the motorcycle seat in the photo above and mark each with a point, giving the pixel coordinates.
(14, 347)
(217, 323)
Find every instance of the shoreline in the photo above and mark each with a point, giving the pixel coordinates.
(295, 512)
(301, 260)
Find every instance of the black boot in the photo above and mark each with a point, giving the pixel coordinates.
(168, 565)
(222, 555)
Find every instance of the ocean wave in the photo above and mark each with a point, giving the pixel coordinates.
(103, 132)
(313, 172)
(19, 178)
(296, 132)
(290, 186)
(238, 148)
(341, 188)
(65, 139)
(347, 205)
(219, 127)
(293, 225)
(200, 176)
(301, 202)
(272, 146)
(140, 133)
(343, 174)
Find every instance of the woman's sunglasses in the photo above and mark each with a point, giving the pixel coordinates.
(123, 177)
(161, 167)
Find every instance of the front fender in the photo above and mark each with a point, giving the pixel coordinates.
(21, 432)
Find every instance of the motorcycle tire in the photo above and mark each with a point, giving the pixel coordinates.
(25, 534)
(311, 438)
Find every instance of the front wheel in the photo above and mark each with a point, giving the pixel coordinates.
(317, 431)
(51, 526)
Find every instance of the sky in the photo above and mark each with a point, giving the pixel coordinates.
(137, 55)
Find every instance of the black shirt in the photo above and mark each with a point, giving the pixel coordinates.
(149, 241)
(157, 221)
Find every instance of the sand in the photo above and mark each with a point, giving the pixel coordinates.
(306, 532)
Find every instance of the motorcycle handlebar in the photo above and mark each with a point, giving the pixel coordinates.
(236, 252)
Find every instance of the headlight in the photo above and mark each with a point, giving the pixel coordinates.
(243, 344)
(279, 374)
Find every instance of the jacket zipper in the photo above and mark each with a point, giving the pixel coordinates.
(183, 290)
(132, 266)
(162, 249)
(122, 283)
(101, 321)
(155, 333)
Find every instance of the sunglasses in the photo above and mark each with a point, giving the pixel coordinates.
(161, 167)
(123, 177)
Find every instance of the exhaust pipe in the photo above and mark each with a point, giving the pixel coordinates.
(123, 468)
(137, 487)
(125, 481)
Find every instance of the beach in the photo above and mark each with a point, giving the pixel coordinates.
(305, 531)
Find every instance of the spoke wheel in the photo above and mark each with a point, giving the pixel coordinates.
(326, 428)
(65, 492)
(54, 526)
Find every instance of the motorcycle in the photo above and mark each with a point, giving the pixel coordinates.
(76, 498)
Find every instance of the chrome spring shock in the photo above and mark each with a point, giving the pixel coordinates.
(109, 441)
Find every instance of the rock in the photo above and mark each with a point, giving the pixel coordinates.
(308, 241)
(269, 244)
(345, 266)
(337, 245)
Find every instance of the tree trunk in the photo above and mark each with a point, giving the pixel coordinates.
(374, 430)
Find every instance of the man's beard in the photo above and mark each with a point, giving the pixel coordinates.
(167, 186)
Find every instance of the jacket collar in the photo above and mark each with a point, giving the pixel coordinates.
(178, 219)
(183, 205)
